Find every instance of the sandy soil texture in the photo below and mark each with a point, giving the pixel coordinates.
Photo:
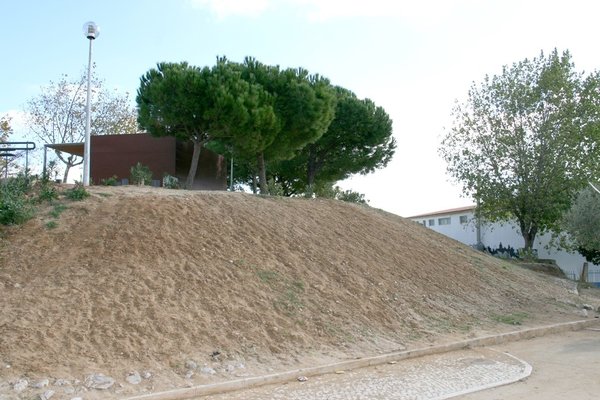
(149, 279)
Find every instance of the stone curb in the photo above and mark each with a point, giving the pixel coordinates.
(247, 383)
(527, 369)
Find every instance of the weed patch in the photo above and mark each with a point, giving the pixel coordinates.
(515, 318)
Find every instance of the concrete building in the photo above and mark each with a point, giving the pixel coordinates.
(502, 239)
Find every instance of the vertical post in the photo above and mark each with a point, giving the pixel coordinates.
(231, 175)
(584, 273)
(86, 148)
(45, 156)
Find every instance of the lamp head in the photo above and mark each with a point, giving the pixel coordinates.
(91, 30)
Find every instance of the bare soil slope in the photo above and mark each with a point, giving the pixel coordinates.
(147, 279)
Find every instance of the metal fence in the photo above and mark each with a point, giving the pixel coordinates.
(593, 277)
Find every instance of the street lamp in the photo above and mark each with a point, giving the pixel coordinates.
(91, 31)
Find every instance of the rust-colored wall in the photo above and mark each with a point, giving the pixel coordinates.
(116, 154)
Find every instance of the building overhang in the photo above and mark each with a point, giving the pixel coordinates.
(71, 148)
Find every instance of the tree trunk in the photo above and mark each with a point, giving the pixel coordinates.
(189, 184)
(262, 174)
(66, 175)
(254, 184)
(529, 238)
(311, 171)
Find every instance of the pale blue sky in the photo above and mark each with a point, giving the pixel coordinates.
(414, 58)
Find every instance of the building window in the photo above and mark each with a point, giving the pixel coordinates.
(424, 223)
(444, 221)
(463, 219)
(431, 222)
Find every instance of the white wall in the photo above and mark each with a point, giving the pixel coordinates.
(507, 234)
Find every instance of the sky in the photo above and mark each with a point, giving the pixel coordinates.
(413, 58)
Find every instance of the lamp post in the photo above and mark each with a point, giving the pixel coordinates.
(91, 32)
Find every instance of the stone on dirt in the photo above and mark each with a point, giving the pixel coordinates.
(20, 385)
(133, 378)
(99, 381)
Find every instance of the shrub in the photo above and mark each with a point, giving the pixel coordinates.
(51, 224)
(141, 174)
(15, 206)
(275, 188)
(47, 191)
(77, 193)
(21, 184)
(14, 209)
(112, 181)
(170, 182)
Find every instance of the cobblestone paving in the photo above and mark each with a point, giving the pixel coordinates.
(432, 377)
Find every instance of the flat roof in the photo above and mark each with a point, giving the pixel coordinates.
(448, 211)
(71, 148)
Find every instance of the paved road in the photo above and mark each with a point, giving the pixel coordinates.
(564, 366)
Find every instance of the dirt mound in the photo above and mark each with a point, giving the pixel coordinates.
(151, 279)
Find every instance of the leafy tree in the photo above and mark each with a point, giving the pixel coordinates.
(5, 128)
(245, 119)
(358, 140)
(304, 106)
(330, 191)
(582, 223)
(174, 100)
(523, 143)
(5, 132)
(57, 115)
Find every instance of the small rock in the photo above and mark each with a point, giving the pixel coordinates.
(99, 381)
(41, 384)
(20, 385)
(241, 366)
(146, 374)
(47, 395)
(189, 374)
(77, 398)
(61, 382)
(215, 355)
(17, 285)
(70, 390)
(229, 368)
(302, 379)
(583, 313)
(134, 378)
(208, 370)
(587, 307)
(191, 364)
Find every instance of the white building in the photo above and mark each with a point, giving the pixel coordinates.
(461, 224)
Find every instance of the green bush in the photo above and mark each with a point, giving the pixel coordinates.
(141, 174)
(14, 209)
(21, 184)
(51, 224)
(47, 191)
(15, 206)
(275, 188)
(170, 182)
(112, 181)
(77, 192)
